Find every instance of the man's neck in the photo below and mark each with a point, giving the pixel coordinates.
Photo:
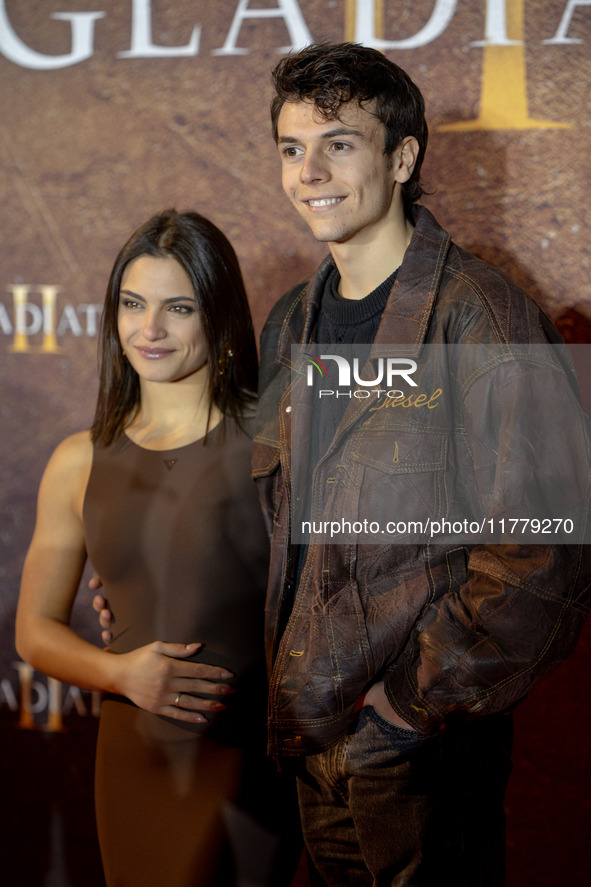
(363, 266)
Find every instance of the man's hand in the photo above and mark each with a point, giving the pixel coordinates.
(101, 606)
(376, 696)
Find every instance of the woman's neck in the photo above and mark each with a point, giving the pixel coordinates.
(172, 415)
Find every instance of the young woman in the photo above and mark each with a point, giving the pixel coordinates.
(158, 495)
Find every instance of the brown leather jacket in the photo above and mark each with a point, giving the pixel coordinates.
(449, 627)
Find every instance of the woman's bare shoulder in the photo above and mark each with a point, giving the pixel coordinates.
(73, 453)
(76, 446)
(69, 466)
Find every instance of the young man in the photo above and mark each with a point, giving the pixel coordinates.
(393, 667)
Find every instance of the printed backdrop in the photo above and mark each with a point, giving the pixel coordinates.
(113, 109)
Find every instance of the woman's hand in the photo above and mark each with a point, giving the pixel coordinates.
(157, 679)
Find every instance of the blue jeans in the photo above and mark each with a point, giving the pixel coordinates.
(388, 806)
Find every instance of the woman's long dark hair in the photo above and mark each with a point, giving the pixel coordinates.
(211, 264)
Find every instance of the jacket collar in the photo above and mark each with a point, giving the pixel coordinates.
(410, 304)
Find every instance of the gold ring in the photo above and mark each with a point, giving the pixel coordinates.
(177, 699)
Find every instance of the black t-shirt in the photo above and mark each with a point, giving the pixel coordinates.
(345, 322)
(342, 322)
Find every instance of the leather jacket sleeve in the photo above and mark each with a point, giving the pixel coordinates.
(510, 611)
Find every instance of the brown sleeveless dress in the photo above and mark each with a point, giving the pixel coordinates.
(178, 540)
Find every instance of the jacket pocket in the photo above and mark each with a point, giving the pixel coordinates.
(403, 474)
(326, 660)
(351, 656)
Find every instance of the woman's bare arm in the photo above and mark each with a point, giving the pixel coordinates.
(155, 677)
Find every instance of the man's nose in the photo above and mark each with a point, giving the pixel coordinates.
(314, 168)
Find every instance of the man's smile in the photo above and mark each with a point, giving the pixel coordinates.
(323, 201)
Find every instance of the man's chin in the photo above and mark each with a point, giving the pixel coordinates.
(325, 236)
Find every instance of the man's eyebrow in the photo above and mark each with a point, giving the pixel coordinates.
(329, 134)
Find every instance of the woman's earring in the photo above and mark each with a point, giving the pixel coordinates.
(224, 361)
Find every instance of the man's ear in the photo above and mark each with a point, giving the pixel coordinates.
(404, 158)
